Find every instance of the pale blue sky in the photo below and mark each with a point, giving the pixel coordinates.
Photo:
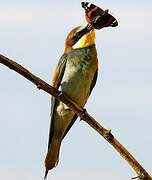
(33, 33)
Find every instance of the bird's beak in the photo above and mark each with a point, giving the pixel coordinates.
(80, 33)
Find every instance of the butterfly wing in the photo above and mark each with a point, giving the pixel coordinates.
(98, 17)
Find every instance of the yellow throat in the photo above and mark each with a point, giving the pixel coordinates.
(86, 40)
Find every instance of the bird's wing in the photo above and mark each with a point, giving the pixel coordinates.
(70, 125)
(75, 116)
(94, 81)
(59, 71)
(56, 81)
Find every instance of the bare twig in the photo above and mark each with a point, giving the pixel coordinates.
(141, 172)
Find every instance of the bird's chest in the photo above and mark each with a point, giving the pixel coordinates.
(80, 64)
(77, 70)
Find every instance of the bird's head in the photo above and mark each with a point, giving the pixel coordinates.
(88, 39)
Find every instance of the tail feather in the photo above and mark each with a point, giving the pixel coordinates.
(46, 173)
(52, 156)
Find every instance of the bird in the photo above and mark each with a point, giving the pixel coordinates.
(75, 75)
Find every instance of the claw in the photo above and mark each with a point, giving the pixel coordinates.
(82, 114)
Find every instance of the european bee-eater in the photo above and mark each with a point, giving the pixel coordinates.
(75, 75)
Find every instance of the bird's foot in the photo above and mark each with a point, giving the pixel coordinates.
(83, 114)
(60, 94)
(70, 103)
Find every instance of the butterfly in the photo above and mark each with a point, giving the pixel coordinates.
(98, 17)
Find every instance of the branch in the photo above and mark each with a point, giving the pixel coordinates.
(106, 134)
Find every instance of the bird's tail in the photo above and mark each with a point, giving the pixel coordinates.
(52, 156)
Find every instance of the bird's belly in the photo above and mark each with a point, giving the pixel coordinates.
(76, 83)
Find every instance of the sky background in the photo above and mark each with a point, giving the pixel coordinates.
(33, 33)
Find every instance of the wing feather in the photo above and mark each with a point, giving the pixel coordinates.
(56, 81)
(75, 116)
